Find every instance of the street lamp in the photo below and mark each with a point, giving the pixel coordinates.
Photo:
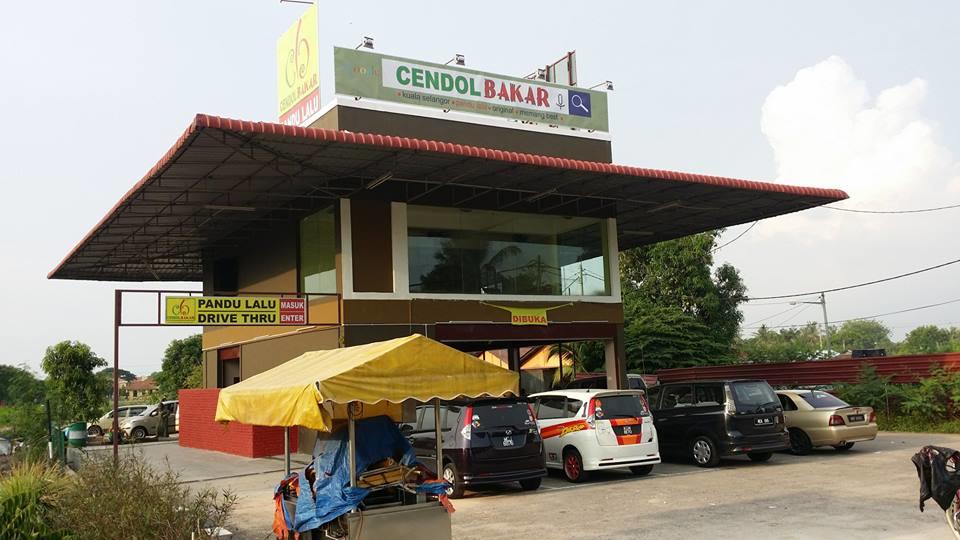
(457, 59)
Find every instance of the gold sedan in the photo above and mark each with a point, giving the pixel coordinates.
(817, 418)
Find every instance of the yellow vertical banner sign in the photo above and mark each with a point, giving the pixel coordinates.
(298, 70)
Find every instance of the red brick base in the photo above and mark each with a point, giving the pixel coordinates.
(198, 429)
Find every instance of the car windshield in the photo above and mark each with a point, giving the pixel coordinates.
(754, 397)
(503, 414)
(823, 400)
(619, 406)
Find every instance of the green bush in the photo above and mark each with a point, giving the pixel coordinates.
(132, 500)
(29, 497)
(872, 390)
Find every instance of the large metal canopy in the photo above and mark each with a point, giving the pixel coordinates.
(226, 180)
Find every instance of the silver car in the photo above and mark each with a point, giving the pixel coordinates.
(147, 423)
(105, 422)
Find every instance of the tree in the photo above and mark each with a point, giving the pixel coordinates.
(784, 345)
(179, 360)
(124, 375)
(861, 335)
(677, 312)
(927, 339)
(75, 392)
(19, 385)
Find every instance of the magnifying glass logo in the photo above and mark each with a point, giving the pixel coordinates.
(577, 101)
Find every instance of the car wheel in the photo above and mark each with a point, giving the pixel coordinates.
(530, 484)
(704, 452)
(844, 447)
(139, 433)
(94, 431)
(800, 443)
(573, 466)
(759, 456)
(641, 470)
(452, 477)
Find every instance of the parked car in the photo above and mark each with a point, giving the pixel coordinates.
(105, 422)
(484, 442)
(707, 420)
(590, 430)
(599, 381)
(147, 422)
(816, 418)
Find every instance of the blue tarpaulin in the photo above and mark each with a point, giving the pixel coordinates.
(331, 496)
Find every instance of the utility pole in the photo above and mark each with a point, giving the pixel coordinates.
(826, 323)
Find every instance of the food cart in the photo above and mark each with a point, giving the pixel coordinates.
(323, 390)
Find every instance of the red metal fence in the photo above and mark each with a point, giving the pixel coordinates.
(902, 369)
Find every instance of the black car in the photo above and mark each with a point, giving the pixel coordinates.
(484, 442)
(707, 420)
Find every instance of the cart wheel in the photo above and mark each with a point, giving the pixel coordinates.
(452, 477)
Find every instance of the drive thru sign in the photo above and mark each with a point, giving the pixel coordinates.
(235, 310)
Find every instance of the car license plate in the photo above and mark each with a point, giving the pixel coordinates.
(763, 421)
(855, 418)
(508, 441)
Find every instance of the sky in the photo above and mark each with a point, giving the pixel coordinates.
(859, 96)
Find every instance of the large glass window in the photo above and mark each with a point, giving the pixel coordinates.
(318, 252)
(485, 252)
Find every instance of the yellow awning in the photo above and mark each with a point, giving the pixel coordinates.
(302, 392)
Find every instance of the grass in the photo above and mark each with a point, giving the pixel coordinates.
(918, 425)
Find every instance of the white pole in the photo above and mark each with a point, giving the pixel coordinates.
(439, 433)
(352, 444)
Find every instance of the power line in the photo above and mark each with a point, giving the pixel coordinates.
(916, 211)
(745, 231)
(788, 310)
(918, 308)
(874, 282)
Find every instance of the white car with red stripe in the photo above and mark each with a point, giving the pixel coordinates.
(590, 430)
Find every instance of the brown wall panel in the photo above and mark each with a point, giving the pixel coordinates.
(501, 138)
(421, 311)
(259, 356)
(372, 246)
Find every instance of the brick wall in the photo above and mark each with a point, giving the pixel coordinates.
(198, 429)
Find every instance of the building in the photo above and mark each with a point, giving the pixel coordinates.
(481, 232)
(140, 388)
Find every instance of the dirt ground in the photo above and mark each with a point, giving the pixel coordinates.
(870, 493)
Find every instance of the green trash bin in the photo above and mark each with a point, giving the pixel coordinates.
(77, 435)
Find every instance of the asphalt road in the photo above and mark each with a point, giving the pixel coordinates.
(869, 492)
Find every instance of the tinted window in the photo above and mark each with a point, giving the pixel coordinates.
(823, 400)
(452, 417)
(620, 406)
(677, 396)
(709, 394)
(635, 383)
(572, 407)
(787, 403)
(654, 396)
(753, 395)
(427, 419)
(503, 414)
(550, 407)
(137, 411)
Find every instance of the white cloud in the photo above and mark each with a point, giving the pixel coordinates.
(826, 129)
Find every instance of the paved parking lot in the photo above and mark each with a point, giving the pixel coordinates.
(869, 492)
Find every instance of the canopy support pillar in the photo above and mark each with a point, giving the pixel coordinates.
(439, 435)
(286, 451)
(352, 444)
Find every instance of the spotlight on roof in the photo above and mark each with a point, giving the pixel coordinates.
(607, 85)
(457, 59)
(366, 43)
